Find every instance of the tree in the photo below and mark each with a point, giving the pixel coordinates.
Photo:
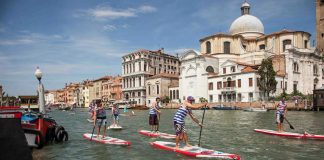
(165, 99)
(267, 82)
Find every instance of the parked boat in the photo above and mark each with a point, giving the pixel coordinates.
(40, 129)
(224, 107)
(255, 109)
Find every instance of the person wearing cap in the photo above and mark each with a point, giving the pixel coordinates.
(179, 119)
(153, 118)
(281, 113)
(100, 118)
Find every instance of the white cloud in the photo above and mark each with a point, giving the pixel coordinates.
(107, 12)
(109, 27)
(146, 9)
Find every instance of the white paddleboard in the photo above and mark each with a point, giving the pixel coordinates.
(115, 127)
(106, 140)
(90, 120)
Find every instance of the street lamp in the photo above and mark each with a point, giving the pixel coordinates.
(40, 90)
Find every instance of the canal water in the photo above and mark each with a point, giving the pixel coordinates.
(227, 131)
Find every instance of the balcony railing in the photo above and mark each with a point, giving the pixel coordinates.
(228, 89)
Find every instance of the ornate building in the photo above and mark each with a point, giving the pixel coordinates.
(141, 64)
(238, 55)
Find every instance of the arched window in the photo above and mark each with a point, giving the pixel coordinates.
(284, 43)
(157, 89)
(149, 89)
(210, 69)
(315, 69)
(170, 94)
(227, 47)
(228, 84)
(177, 94)
(296, 67)
(208, 47)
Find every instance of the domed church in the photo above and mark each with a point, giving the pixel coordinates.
(225, 70)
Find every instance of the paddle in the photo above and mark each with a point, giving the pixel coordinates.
(93, 129)
(202, 122)
(291, 127)
(159, 118)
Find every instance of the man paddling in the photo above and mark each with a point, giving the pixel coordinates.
(115, 113)
(179, 123)
(281, 113)
(154, 111)
(100, 118)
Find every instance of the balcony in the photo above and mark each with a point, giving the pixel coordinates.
(228, 89)
(134, 88)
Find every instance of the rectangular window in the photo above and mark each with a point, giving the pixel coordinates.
(210, 98)
(281, 84)
(210, 86)
(239, 83)
(224, 70)
(305, 43)
(219, 85)
(285, 85)
(250, 82)
(219, 97)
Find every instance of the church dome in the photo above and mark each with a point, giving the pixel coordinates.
(247, 25)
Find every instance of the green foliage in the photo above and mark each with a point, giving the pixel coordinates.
(165, 99)
(292, 96)
(202, 99)
(267, 82)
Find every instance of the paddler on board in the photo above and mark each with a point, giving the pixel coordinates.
(179, 122)
(115, 114)
(100, 118)
(153, 118)
(281, 113)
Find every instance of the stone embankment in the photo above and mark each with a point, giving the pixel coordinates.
(302, 105)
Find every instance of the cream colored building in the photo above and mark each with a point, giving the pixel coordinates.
(246, 43)
(141, 64)
(158, 86)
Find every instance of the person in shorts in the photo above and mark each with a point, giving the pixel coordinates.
(281, 114)
(153, 118)
(179, 119)
(100, 118)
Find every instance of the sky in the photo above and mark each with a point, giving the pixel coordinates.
(75, 40)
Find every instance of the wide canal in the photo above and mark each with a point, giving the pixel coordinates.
(227, 131)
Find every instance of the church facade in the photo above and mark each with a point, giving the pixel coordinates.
(226, 68)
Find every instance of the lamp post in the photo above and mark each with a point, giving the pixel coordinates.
(40, 90)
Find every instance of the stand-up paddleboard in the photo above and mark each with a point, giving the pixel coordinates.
(159, 134)
(115, 127)
(90, 120)
(289, 134)
(194, 151)
(106, 140)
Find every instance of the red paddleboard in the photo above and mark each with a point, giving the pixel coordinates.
(194, 151)
(106, 140)
(159, 134)
(289, 134)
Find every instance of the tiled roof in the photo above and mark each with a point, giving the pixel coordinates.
(248, 69)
